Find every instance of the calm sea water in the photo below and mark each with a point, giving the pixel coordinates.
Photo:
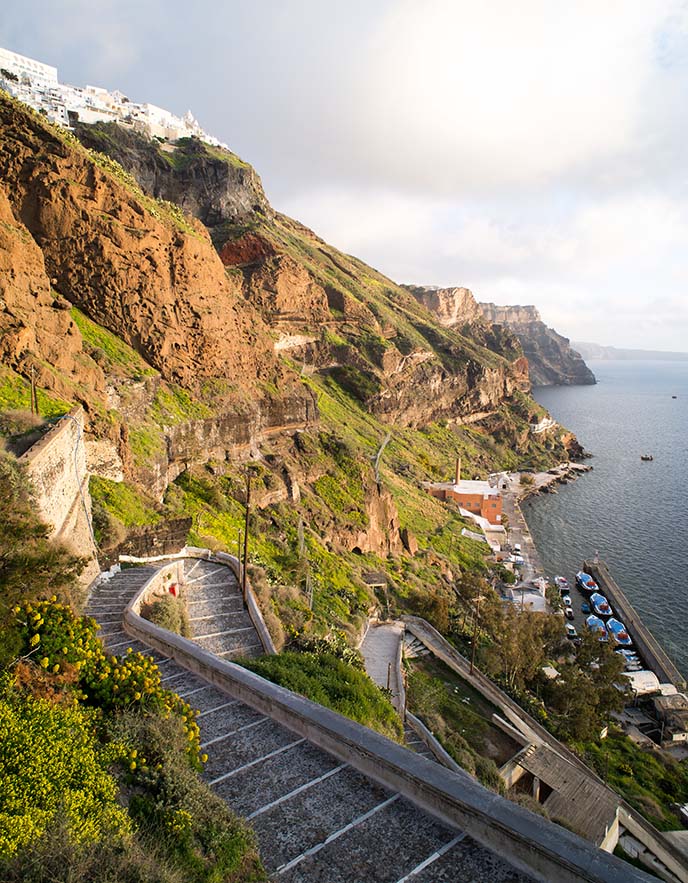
(635, 513)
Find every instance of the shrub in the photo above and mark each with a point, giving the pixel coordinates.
(333, 683)
(173, 808)
(56, 639)
(169, 613)
(52, 763)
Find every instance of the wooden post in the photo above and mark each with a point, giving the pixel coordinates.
(244, 591)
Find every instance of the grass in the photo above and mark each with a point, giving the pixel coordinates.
(650, 781)
(15, 395)
(123, 501)
(118, 357)
(331, 682)
(460, 717)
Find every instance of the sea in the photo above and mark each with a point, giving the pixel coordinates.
(634, 513)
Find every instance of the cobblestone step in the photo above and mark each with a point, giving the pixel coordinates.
(279, 776)
(221, 642)
(219, 620)
(317, 820)
(380, 848)
(465, 860)
(244, 747)
(311, 816)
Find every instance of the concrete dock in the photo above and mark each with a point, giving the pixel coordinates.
(649, 649)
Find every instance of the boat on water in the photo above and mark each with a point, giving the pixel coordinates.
(562, 584)
(646, 457)
(600, 605)
(596, 626)
(618, 633)
(585, 582)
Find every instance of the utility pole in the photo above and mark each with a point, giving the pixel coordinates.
(248, 511)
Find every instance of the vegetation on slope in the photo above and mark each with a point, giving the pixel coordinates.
(329, 674)
(98, 762)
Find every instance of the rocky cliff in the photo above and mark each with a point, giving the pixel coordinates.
(209, 183)
(200, 330)
(79, 232)
(551, 359)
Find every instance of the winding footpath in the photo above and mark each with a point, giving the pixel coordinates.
(317, 820)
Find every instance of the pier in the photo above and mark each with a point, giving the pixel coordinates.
(649, 649)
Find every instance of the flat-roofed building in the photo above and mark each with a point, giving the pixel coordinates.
(482, 498)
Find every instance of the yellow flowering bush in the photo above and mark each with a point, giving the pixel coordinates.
(51, 763)
(56, 638)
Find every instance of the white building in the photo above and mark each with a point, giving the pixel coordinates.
(28, 68)
(37, 85)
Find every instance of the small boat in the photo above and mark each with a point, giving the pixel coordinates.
(627, 654)
(646, 457)
(596, 626)
(617, 632)
(561, 582)
(585, 582)
(674, 397)
(600, 605)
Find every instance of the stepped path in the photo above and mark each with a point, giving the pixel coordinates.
(317, 819)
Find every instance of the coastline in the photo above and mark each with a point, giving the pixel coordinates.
(518, 530)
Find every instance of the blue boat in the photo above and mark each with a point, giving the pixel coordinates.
(617, 632)
(585, 582)
(600, 605)
(595, 625)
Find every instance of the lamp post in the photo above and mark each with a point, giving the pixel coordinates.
(248, 512)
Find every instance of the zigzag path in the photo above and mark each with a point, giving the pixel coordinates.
(317, 820)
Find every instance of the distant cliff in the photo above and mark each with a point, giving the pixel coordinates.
(551, 359)
(597, 351)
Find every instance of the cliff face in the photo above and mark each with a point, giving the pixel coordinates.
(78, 232)
(208, 183)
(215, 334)
(551, 359)
(36, 330)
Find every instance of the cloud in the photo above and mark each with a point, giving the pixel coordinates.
(534, 151)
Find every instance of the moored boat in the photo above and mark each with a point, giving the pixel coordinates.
(618, 633)
(600, 605)
(585, 582)
(596, 626)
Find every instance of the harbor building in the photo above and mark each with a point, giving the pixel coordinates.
(478, 498)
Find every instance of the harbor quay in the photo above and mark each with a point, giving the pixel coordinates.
(655, 658)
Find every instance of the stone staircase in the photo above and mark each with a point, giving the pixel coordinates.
(316, 819)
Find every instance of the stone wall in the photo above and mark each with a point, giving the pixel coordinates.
(56, 466)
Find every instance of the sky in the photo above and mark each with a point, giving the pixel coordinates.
(534, 152)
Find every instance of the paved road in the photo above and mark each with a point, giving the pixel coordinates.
(380, 648)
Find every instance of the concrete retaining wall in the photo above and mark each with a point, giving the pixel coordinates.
(56, 466)
(529, 842)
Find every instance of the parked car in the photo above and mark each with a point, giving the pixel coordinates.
(517, 548)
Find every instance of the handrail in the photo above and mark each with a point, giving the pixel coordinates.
(531, 843)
